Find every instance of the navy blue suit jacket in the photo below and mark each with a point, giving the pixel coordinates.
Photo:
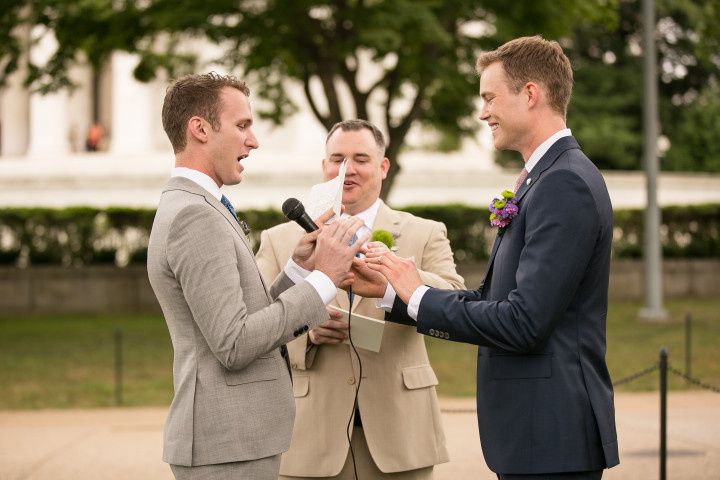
(544, 395)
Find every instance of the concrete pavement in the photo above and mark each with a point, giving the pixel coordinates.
(126, 443)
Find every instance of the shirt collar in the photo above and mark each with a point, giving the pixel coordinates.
(368, 215)
(544, 147)
(200, 178)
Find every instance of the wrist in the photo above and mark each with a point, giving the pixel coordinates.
(303, 263)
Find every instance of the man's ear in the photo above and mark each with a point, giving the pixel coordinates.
(532, 91)
(384, 167)
(198, 129)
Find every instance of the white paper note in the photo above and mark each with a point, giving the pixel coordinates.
(366, 332)
(326, 195)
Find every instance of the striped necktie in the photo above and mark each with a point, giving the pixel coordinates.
(520, 180)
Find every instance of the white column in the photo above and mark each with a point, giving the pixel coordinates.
(14, 115)
(132, 108)
(49, 114)
(80, 106)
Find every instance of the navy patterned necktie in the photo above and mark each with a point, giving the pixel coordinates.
(224, 200)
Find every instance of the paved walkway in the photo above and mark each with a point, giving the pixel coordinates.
(125, 443)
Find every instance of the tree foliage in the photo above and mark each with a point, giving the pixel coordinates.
(418, 54)
(606, 112)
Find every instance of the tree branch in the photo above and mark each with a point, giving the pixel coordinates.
(325, 120)
(359, 98)
(326, 74)
(397, 139)
(398, 133)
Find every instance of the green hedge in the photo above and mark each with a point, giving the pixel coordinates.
(84, 235)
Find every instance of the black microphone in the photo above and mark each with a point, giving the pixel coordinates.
(294, 210)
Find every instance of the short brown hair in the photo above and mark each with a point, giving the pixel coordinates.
(195, 95)
(534, 59)
(355, 125)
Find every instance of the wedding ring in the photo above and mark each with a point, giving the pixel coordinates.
(380, 259)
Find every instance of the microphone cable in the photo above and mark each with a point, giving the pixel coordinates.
(351, 298)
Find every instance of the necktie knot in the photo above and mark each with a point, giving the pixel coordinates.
(521, 178)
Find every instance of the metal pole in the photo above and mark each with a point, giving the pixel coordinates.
(653, 309)
(118, 366)
(663, 412)
(688, 344)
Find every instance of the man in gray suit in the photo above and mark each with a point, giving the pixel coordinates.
(233, 410)
(544, 395)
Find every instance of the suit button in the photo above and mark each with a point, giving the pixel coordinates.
(351, 380)
(438, 333)
(447, 336)
(305, 328)
(431, 331)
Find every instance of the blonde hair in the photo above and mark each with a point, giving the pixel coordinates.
(534, 59)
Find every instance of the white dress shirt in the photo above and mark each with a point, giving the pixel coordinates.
(317, 279)
(416, 297)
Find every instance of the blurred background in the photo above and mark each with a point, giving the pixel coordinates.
(83, 159)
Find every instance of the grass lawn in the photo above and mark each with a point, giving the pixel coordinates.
(62, 362)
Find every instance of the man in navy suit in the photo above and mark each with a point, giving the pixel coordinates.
(544, 395)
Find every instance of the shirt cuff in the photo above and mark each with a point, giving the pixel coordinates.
(415, 299)
(386, 302)
(295, 272)
(322, 285)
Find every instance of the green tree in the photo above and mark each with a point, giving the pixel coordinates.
(423, 50)
(606, 111)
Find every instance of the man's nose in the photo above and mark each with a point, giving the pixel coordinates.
(251, 140)
(484, 113)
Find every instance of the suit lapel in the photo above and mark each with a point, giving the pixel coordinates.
(562, 145)
(181, 183)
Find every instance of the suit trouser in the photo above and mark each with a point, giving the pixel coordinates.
(596, 475)
(366, 468)
(261, 469)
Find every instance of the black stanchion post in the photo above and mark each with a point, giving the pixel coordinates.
(688, 344)
(663, 411)
(118, 366)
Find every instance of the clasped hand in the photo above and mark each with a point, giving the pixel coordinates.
(369, 276)
(328, 248)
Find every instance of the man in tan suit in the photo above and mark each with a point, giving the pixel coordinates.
(233, 410)
(397, 430)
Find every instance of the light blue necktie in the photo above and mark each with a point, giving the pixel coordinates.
(350, 294)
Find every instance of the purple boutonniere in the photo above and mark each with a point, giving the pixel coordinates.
(503, 210)
(245, 227)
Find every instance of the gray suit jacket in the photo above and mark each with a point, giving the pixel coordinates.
(233, 393)
(544, 395)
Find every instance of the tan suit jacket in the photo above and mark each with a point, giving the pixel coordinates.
(233, 394)
(397, 398)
